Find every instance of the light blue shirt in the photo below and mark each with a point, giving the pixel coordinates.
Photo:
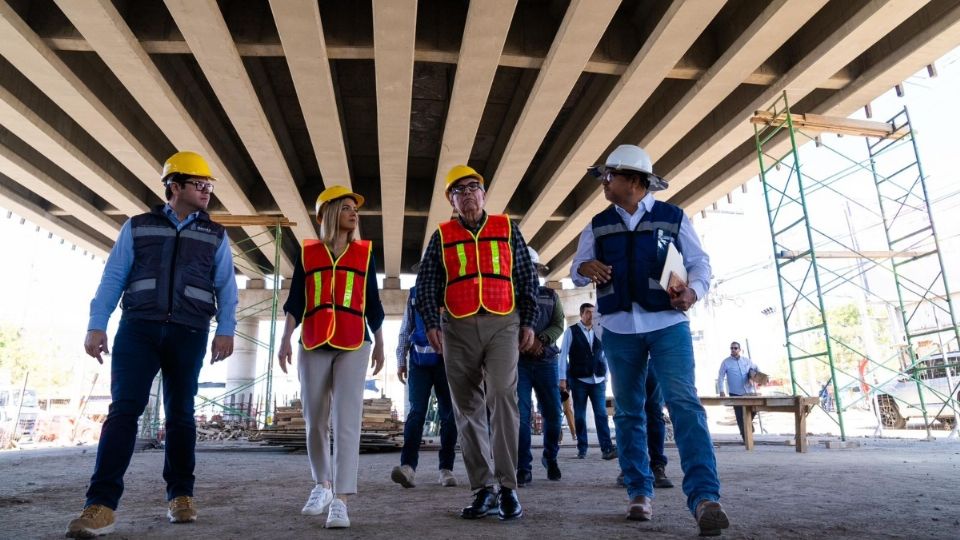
(639, 320)
(120, 262)
(565, 352)
(737, 373)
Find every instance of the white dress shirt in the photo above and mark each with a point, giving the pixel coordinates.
(639, 320)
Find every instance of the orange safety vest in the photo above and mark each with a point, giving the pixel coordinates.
(479, 268)
(336, 295)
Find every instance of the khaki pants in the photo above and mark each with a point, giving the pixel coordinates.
(333, 377)
(481, 353)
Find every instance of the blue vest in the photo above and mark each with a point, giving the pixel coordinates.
(546, 303)
(421, 353)
(637, 257)
(172, 274)
(584, 361)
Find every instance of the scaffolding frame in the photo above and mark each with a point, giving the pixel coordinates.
(245, 258)
(806, 273)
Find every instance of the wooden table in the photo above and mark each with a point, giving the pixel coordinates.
(800, 406)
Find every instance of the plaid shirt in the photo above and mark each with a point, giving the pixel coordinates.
(432, 278)
(407, 327)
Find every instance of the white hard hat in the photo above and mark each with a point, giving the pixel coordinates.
(535, 259)
(630, 157)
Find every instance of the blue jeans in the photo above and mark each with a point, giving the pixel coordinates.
(656, 425)
(597, 393)
(540, 377)
(670, 352)
(420, 379)
(140, 350)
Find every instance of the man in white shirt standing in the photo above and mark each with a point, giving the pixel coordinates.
(736, 370)
(585, 375)
(623, 251)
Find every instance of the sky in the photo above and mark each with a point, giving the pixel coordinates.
(46, 284)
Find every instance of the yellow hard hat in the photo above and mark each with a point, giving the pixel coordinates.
(461, 171)
(187, 163)
(333, 193)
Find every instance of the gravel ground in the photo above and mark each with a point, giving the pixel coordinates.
(884, 489)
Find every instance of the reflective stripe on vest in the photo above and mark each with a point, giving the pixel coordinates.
(479, 267)
(336, 295)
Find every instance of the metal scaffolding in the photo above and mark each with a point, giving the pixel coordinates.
(821, 218)
(246, 255)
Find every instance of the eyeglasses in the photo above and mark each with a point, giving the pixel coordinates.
(201, 186)
(471, 187)
(734, 348)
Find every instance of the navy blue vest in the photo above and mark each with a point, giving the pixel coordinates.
(172, 274)
(546, 303)
(421, 353)
(637, 257)
(583, 360)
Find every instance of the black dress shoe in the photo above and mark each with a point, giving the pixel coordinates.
(484, 504)
(509, 504)
(553, 470)
(524, 478)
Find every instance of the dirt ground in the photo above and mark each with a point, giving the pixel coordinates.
(884, 489)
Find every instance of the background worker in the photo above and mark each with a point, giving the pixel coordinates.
(478, 335)
(424, 371)
(537, 373)
(623, 250)
(174, 269)
(583, 370)
(333, 294)
(735, 370)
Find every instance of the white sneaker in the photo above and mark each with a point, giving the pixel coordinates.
(337, 518)
(447, 479)
(404, 475)
(318, 502)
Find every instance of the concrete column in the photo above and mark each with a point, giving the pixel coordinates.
(242, 366)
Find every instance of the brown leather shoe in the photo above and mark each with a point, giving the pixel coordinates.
(95, 520)
(711, 518)
(640, 509)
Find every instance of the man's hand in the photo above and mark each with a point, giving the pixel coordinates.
(221, 348)
(435, 337)
(682, 297)
(96, 343)
(526, 338)
(285, 354)
(595, 271)
(376, 361)
(563, 384)
(402, 374)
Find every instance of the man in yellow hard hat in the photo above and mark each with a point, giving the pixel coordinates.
(174, 269)
(478, 268)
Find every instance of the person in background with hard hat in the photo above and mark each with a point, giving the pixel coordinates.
(477, 266)
(424, 372)
(333, 294)
(174, 269)
(537, 372)
(623, 251)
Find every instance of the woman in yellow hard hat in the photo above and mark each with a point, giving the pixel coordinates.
(334, 296)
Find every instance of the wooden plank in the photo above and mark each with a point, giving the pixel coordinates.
(830, 124)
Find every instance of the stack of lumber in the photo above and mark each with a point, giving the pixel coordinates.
(220, 431)
(380, 430)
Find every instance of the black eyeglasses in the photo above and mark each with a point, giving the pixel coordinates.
(734, 348)
(471, 187)
(201, 186)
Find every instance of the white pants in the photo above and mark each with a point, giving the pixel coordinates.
(335, 377)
